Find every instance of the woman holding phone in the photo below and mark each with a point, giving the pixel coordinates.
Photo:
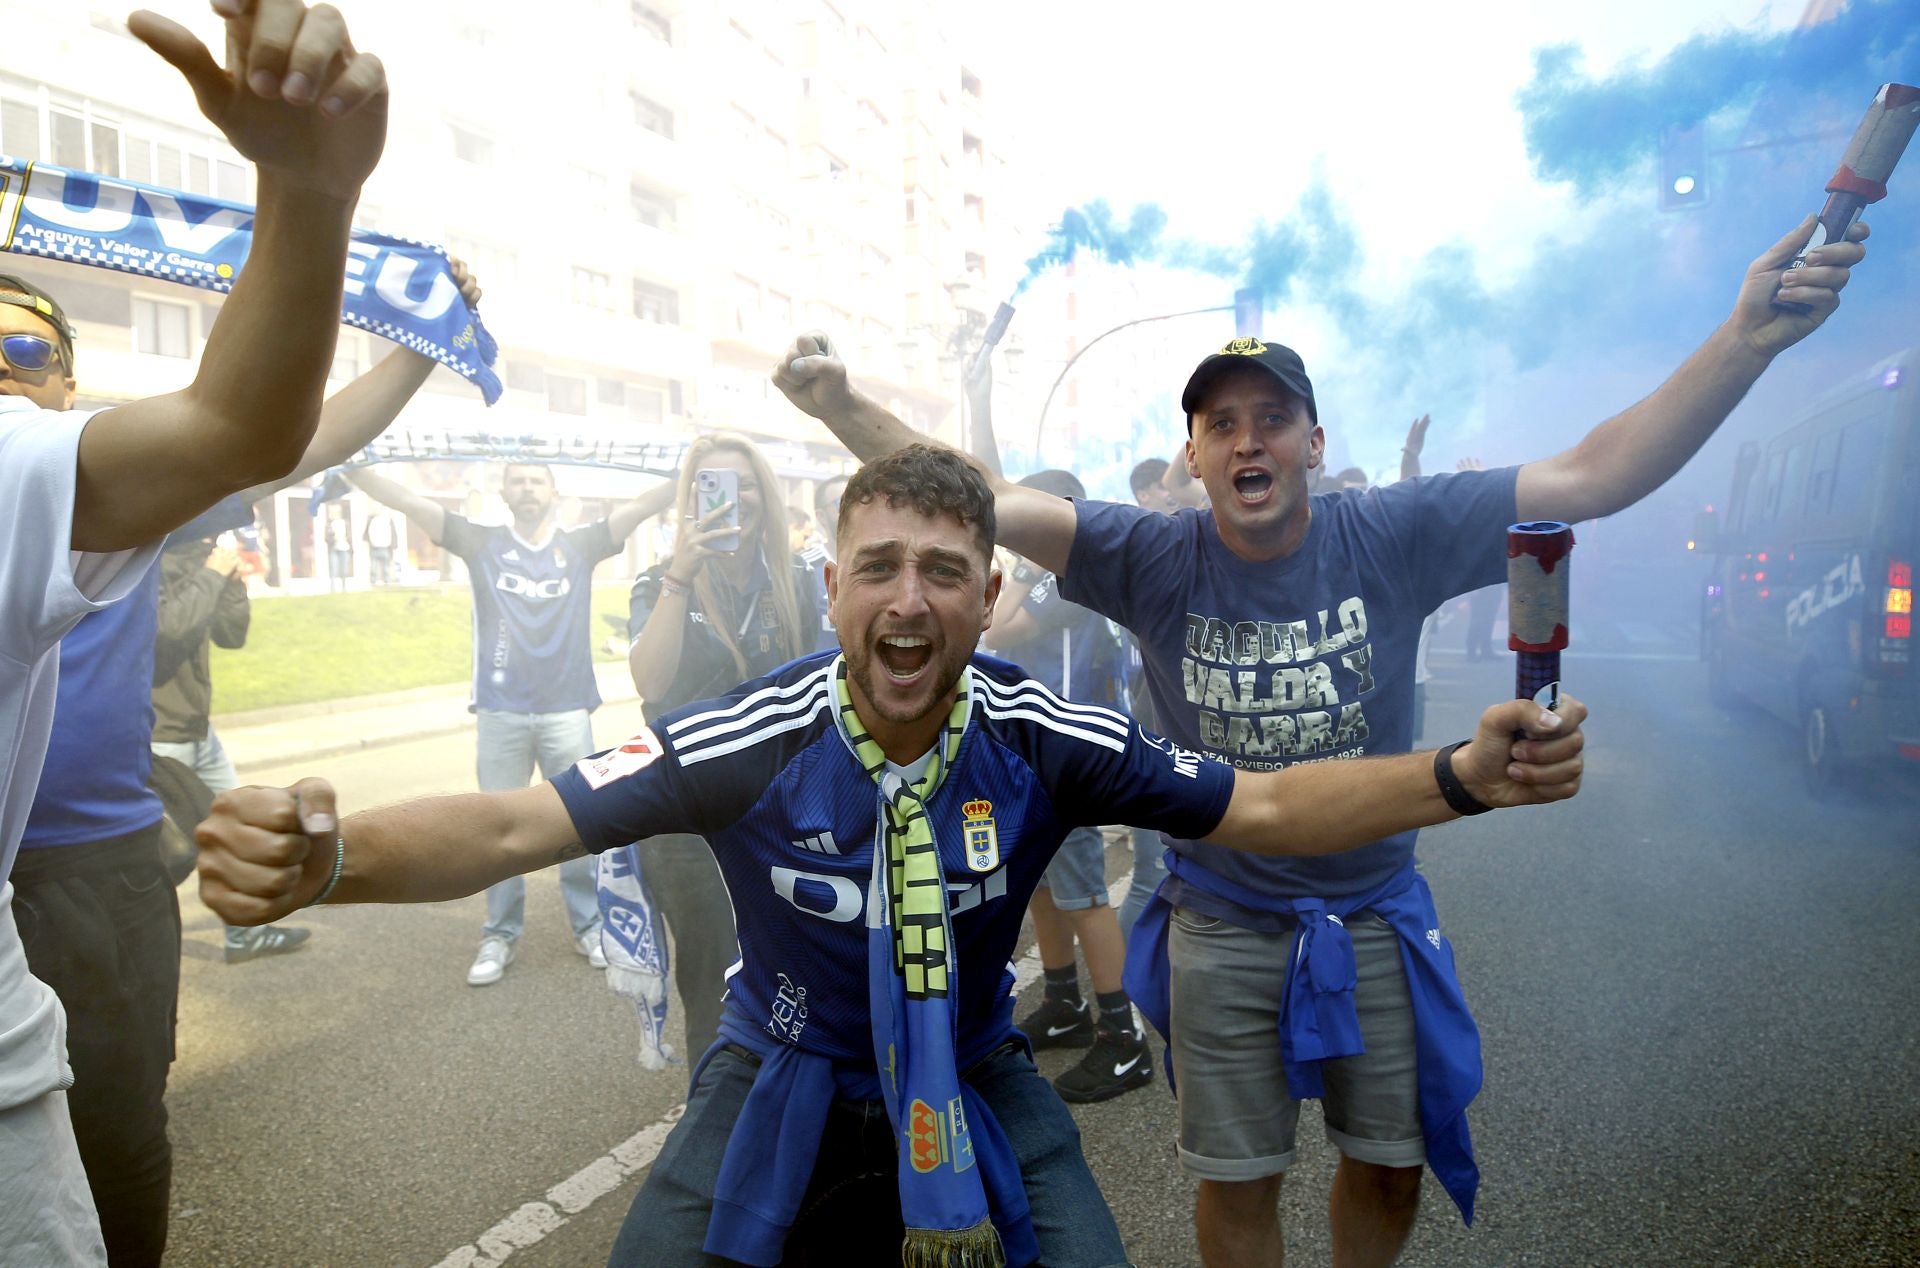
(730, 603)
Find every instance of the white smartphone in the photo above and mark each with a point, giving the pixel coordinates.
(713, 488)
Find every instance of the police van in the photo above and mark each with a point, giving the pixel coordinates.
(1809, 605)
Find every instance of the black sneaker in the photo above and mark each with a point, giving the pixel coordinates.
(1118, 1063)
(265, 940)
(1058, 1024)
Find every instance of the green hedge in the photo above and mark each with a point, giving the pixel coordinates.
(305, 648)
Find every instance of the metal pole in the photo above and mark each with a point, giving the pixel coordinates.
(1040, 426)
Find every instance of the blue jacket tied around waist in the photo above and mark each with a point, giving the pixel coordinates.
(1317, 1019)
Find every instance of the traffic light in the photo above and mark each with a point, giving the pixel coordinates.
(1683, 167)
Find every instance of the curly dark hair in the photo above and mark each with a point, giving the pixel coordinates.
(933, 481)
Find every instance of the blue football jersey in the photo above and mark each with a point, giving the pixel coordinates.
(766, 776)
(532, 614)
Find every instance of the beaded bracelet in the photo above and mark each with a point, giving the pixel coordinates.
(339, 864)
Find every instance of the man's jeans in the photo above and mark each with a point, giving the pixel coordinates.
(510, 745)
(851, 1214)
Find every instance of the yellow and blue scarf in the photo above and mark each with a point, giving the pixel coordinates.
(912, 985)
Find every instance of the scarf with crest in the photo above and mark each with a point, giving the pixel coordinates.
(912, 985)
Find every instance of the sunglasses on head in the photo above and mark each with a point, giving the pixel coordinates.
(30, 353)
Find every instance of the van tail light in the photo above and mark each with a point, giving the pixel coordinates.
(1896, 618)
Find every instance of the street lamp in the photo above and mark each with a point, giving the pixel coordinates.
(1039, 426)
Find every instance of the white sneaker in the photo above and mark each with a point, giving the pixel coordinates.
(495, 955)
(588, 944)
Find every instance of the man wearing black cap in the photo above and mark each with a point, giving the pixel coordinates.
(1278, 628)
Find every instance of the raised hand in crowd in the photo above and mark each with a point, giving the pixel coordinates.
(310, 110)
(1813, 290)
(222, 561)
(1416, 441)
(295, 96)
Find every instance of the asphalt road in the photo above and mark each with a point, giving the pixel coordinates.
(1697, 990)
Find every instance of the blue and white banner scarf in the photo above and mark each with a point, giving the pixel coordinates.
(398, 288)
(636, 953)
(912, 988)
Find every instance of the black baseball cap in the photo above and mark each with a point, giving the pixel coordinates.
(1282, 362)
(24, 294)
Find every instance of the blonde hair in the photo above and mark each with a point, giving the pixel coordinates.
(773, 545)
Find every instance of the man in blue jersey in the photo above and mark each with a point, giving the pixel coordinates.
(881, 816)
(534, 692)
(1279, 630)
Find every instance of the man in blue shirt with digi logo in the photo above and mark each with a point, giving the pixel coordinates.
(869, 1098)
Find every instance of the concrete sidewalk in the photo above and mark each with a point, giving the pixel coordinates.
(262, 738)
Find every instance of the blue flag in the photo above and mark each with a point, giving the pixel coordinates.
(397, 288)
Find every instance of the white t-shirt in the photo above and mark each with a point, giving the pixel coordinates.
(45, 588)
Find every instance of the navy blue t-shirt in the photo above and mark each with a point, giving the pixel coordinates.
(1306, 658)
(765, 775)
(532, 614)
(1072, 650)
(94, 785)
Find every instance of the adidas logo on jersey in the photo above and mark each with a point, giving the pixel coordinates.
(822, 844)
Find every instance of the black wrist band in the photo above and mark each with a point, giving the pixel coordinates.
(1462, 801)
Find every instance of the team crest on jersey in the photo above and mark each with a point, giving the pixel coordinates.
(630, 758)
(983, 844)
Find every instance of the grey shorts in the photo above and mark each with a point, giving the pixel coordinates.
(1236, 1120)
(1077, 876)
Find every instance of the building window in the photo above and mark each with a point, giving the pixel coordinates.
(646, 405)
(230, 181)
(650, 21)
(652, 116)
(199, 174)
(69, 140)
(20, 129)
(106, 150)
(349, 357)
(657, 304)
(470, 147)
(566, 395)
(166, 166)
(139, 159)
(525, 377)
(651, 207)
(746, 303)
(162, 329)
(610, 391)
(592, 289)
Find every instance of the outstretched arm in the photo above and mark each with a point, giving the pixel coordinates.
(1326, 807)
(150, 466)
(265, 852)
(1638, 450)
(1410, 452)
(428, 514)
(353, 418)
(1037, 525)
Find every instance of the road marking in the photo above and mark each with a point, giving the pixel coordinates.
(533, 1222)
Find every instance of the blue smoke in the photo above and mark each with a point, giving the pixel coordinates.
(1609, 307)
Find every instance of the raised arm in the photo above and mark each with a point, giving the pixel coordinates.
(353, 418)
(629, 515)
(148, 467)
(1037, 525)
(428, 514)
(265, 852)
(1410, 452)
(1327, 807)
(982, 444)
(1638, 450)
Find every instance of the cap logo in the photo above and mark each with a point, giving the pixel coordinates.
(1244, 347)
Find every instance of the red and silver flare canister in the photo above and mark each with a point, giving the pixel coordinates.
(1538, 555)
(1870, 158)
